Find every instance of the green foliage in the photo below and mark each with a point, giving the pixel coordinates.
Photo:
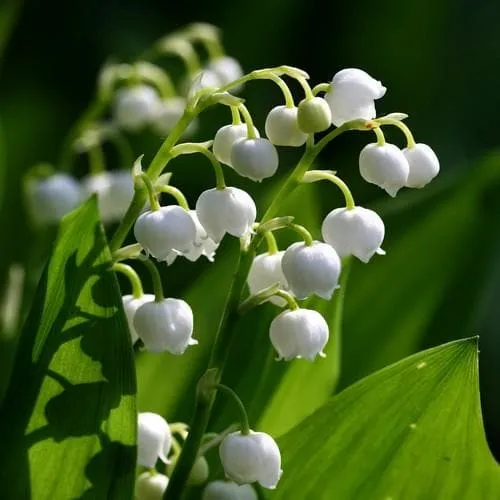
(412, 431)
(69, 418)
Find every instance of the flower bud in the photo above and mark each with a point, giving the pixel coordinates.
(282, 127)
(130, 306)
(385, 166)
(265, 272)
(424, 165)
(225, 139)
(154, 439)
(114, 189)
(165, 326)
(356, 231)
(199, 473)
(314, 115)
(313, 269)
(229, 210)
(165, 230)
(135, 107)
(300, 333)
(51, 198)
(205, 79)
(256, 159)
(169, 113)
(352, 96)
(227, 490)
(202, 244)
(247, 458)
(227, 69)
(150, 486)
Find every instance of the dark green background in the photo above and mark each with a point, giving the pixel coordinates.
(439, 60)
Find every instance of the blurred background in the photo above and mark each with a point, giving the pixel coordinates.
(440, 61)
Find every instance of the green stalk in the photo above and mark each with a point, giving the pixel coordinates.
(223, 341)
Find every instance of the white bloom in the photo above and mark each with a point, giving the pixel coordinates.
(229, 210)
(199, 473)
(227, 69)
(169, 113)
(299, 333)
(356, 231)
(150, 486)
(135, 107)
(165, 326)
(282, 127)
(53, 197)
(385, 166)
(251, 457)
(114, 189)
(265, 272)
(256, 159)
(227, 490)
(313, 269)
(154, 439)
(424, 165)
(202, 244)
(225, 138)
(165, 230)
(352, 96)
(130, 306)
(314, 115)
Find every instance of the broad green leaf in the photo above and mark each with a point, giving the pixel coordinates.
(428, 287)
(410, 431)
(68, 420)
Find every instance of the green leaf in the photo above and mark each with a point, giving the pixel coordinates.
(410, 431)
(69, 417)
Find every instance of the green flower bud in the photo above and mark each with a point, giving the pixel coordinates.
(314, 115)
(199, 472)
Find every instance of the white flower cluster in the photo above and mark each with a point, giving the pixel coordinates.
(246, 458)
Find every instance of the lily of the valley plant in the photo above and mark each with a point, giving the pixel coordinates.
(141, 96)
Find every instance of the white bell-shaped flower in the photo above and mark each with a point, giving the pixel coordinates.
(154, 439)
(424, 165)
(150, 486)
(356, 231)
(266, 271)
(282, 127)
(247, 458)
(202, 244)
(130, 306)
(229, 210)
(313, 269)
(227, 490)
(227, 69)
(169, 113)
(114, 189)
(225, 138)
(165, 326)
(314, 115)
(51, 198)
(385, 166)
(165, 230)
(352, 96)
(299, 333)
(135, 107)
(256, 158)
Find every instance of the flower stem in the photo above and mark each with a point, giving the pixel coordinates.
(247, 117)
(272, 246)
(317, 175)
(402, 126)
(133, 277)
(245, 426)
(380, 136)
(155, 276)
(303, 233)
(153, 199)
(176, 193)
(290, 299)
(235, 115)
(287, 94)
(321, 87)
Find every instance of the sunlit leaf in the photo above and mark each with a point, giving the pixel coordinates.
(68, 420)
(412, 431)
